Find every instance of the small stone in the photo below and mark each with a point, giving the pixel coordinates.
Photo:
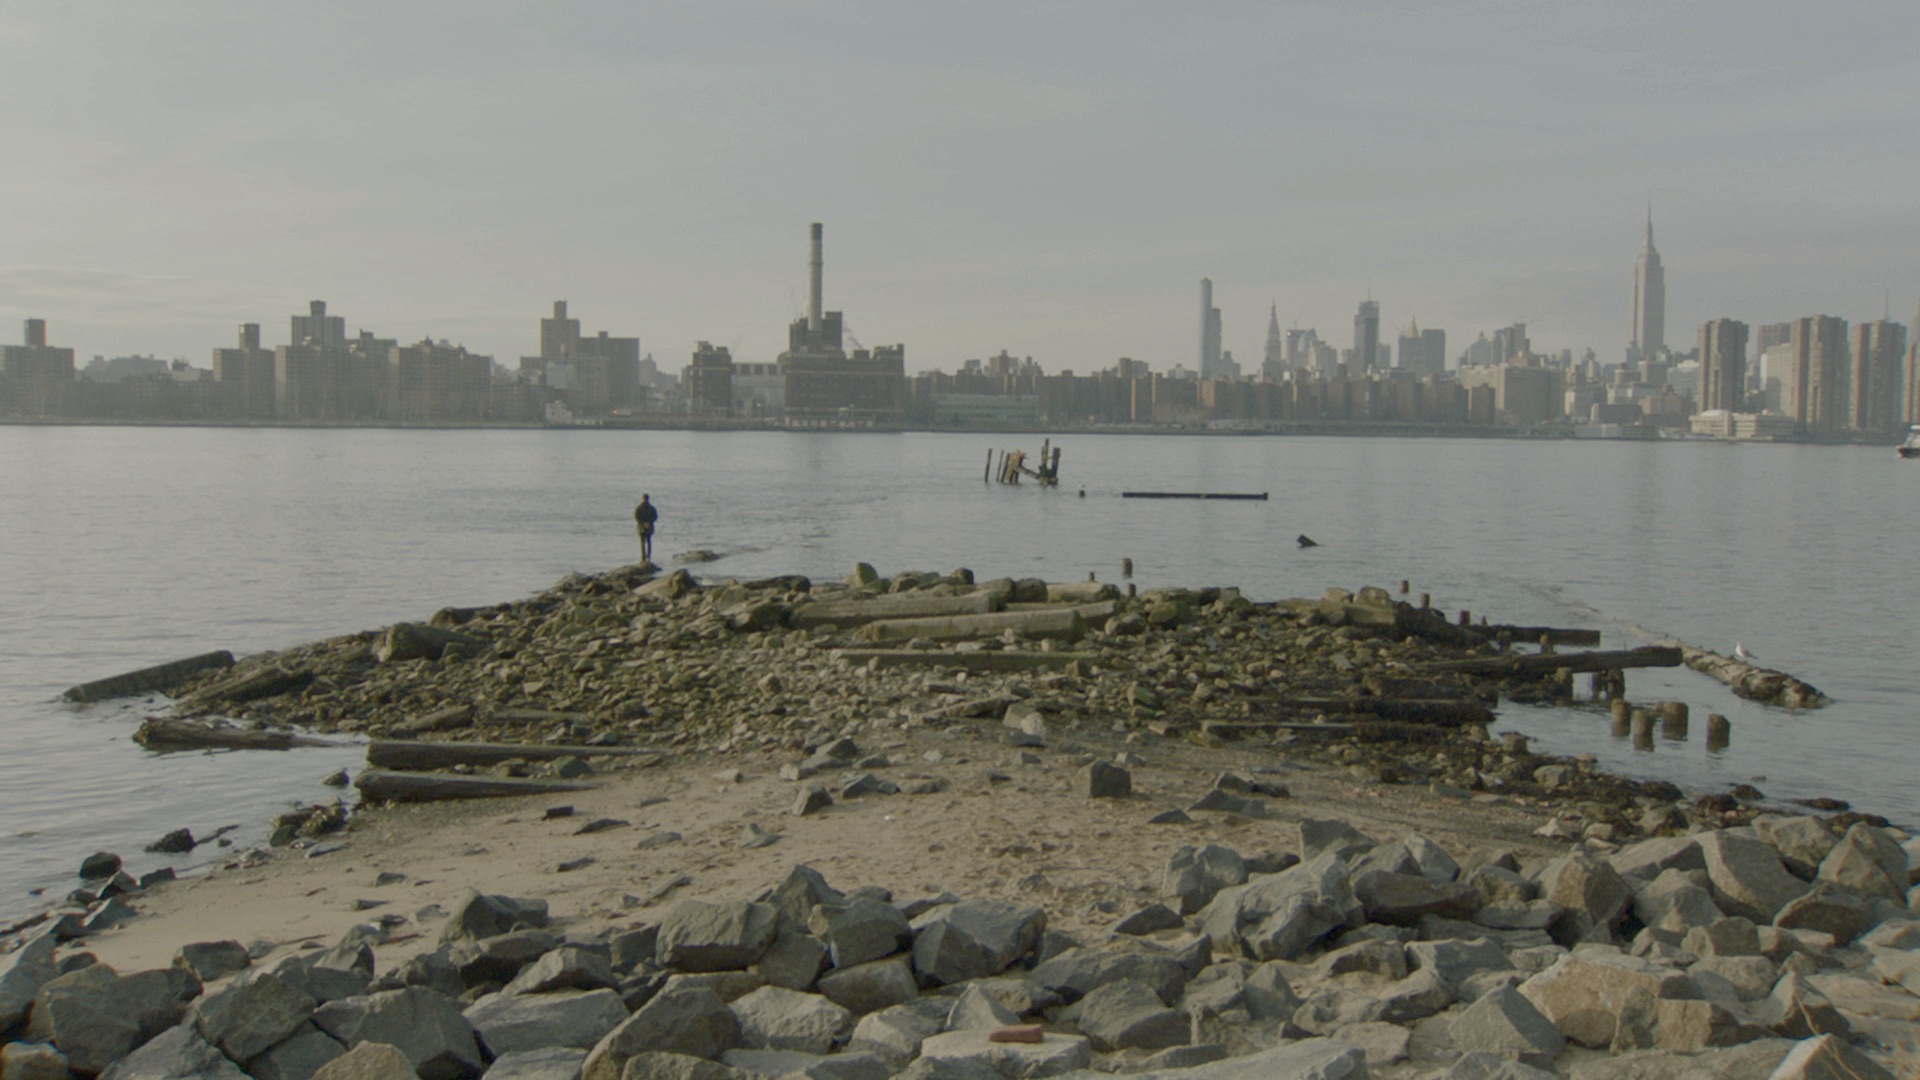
(811, 799)
(1105, 780)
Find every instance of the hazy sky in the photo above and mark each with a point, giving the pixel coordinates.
(1051, 178)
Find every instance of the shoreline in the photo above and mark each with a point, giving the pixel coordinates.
(1277, 429)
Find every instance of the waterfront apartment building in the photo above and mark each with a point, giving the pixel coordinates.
(36, 379)
(244, 377)
(1875, 389)
(1723, 365)
(438, 383)
(593, 375)
(1813, 373)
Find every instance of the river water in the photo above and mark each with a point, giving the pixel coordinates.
(124, 547)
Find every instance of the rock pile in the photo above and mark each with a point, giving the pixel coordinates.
(1777, 950)
(627, 659)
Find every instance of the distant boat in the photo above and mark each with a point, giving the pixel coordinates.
(1911, 448)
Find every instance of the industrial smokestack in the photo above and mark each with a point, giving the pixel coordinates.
(814, 266)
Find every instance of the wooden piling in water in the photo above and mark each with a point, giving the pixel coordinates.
(1126, 568)
(1642, 729)
(1622, 718)
(1426, 601)
(1673, 719)
(1405, 587)
(1466, 617)
(986, 474)
(1719, 732)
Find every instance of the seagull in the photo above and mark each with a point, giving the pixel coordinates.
(1741, 654)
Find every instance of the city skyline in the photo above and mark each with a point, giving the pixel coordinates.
(441, 170)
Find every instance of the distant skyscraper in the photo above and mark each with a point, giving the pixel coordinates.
(1649, 299)
(1274, 364)
(1723, 365)
(1366, 335)
(1210, 367)
(1434, 344)
(1876, 389)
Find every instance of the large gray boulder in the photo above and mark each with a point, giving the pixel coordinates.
(774, 1018)
(699, 936)
(1803, 842)
(1828, 909)
(1128, 1015)
(565, 968)
(1080, 971)
(1747, 876)
(1593, 894)
(243, 1019)
(803, 889)
(508, 1023)
(683, 1018)
(976, 1008)
(1869, 862)
(974, 939)
(1828, 1057)
(32, 1061)
(895, 1034)
(1281, 916)
(1504, 1022)
(178, 1053)
(1305, 1059)
(1319, 837)
(859, 930)
(1648, 859)
(425, 1026)
(658, 1065)
(368, 1061)
(1054, 1055)
(871, 986)
(500, 958)
(1458, 960)
(1585, 994)
(794, 960)
(1755, 1059)
(1195, 875)
(210, 960)
(1403, 899)
(1676, 902)
(481, 915)
(551, 1063)
(22, 973)
(297, 1057)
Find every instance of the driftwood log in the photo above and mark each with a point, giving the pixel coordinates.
(1539, 665)
(160, 677)
(1755, 683)
(381, 785)
(426, 756)
(981, 660)
(165, 735)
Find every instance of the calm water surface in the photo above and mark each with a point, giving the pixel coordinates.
(129, 546)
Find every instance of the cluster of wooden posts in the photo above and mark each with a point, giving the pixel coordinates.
(1013, 465)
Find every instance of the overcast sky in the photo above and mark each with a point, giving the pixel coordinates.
(1050, 178)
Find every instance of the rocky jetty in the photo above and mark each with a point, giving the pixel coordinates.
(1757, 952)
(1394, 693)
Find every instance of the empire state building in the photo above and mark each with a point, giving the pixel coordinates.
(1649, 300)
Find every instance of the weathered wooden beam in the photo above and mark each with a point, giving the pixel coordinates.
(1059, 624)
(1530, 635)
(1754, 683)
(265, 682)
(160, 677)
(418, 755)
(379, 785)
(165, 735)
(981, 660)
(1541, 664)
(860, 612)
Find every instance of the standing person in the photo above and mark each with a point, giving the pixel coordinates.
(644, 516)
